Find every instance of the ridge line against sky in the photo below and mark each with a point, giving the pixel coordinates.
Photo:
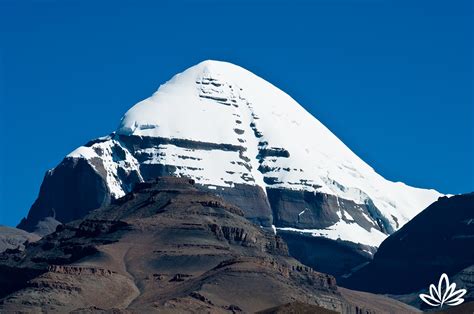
(392, 79)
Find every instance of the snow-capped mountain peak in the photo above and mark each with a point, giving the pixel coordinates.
(222, 103)
(240, 136)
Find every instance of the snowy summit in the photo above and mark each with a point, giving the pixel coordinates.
(227, 128)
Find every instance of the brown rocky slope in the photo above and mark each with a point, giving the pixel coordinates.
(167, 247)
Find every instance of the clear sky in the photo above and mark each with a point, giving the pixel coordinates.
(392, 79)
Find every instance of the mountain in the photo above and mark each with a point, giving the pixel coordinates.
(168, 246)
(13, 238)
(438, 240)
(241, 137)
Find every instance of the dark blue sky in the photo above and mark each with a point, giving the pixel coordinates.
(392, 79)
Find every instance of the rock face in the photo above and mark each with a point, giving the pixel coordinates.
(13, 238)
(244, 139)
(333, 257)
(166, 246)
(68, 192)
(439, 240)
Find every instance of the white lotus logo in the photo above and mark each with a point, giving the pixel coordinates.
(450, 296)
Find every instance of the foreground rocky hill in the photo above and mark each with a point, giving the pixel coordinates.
(168, 246)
